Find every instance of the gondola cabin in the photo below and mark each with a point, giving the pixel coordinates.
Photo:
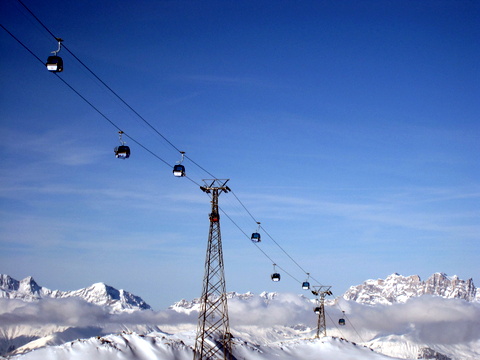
(255, 237)
(54, 64)
(179, 170)
(306, 285)
(275, 277)
(122, 152)
(341, 322)
(317, 310)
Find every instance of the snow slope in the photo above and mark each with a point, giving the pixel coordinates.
(131, 346)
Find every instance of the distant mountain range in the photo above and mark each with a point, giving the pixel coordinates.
(394, 288)
(268, 318)
(98, 294)
(398, 289)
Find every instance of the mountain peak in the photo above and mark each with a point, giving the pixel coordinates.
(102, 289)
(98, 294)
(8, 283)
(29, 286)
(399, 288)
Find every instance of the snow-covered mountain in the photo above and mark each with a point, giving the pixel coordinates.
(185, 306)
(98, 294)
(384, 317)
(398, 289)
(163, 346)
(180, 347)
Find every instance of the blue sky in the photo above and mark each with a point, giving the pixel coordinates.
(349, 129)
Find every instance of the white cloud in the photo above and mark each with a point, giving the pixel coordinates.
(430, 319)
(75, 312)
(433, 320)
(446, 324)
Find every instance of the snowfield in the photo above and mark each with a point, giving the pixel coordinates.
(180, 347)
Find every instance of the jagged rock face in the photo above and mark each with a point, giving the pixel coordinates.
(98, 294)
(397, 288)
(427, 353)
(450, 287)
(8, 283)
(26, 289)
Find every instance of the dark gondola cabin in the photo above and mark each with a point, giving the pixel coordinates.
(341, 322)
(275, 277)
(122, 152)
(54, 64)
(306, 285)
(317, 310)
(255, 237)
(179, 170)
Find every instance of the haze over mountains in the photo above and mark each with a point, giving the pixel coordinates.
(398, 316)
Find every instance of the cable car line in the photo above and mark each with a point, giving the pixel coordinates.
(158, 157)
(350, 322)
(118, 128)
(105, 84)
(113, 91)
(335, 324)
(156, 131)
(258, 247)
(165, 162)
(276, 243)
(290, 257)
(55, 64)
(93, 106)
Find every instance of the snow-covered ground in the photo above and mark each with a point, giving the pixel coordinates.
(161, 346)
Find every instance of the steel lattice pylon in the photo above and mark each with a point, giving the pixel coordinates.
(320, 292)
(213, 339)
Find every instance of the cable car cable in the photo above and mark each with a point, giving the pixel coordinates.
(93, 106)
(290, 257)
(334, 324)
(158, 157)
(152, 127)
(276, 243)
(258, 247)
(110, 89)
(350, 322)
(117, 127)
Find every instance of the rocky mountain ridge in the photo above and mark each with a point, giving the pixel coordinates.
(186, 306)
(267, 318)
(98, 294)
(396, 288)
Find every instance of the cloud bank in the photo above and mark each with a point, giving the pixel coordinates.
(429, 319)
